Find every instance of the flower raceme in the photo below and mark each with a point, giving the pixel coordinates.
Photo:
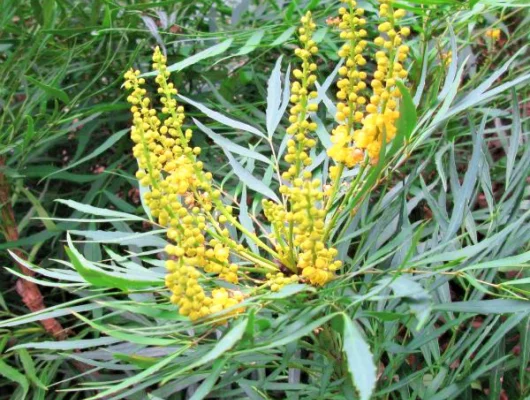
(183, 197)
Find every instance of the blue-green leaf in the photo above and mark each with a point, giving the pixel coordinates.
(360, 361)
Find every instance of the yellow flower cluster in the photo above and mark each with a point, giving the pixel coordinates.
(279, 280)
(182, 196)
(314, 259)
(380, 121)
(300, 228)
(447, 58)
(364, 121)
(351, 85)
(169, 166)
(302, 93)
(494, 34)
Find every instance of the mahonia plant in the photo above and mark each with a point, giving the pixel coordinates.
(184, 198)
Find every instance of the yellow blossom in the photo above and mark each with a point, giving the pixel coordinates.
(169, 167)
(494, 34)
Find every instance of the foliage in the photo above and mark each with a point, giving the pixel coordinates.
(431, 300)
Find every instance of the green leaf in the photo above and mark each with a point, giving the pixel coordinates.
(50, 91)
(274, 98)
(30, 131)
(292, 336)
(140, 361)
(419, 300)
(497, 306)
(228, 341)
(101, 278)
(232, 147)
(504, 264)
(107, 144)
(290, 290)
(250, 180)
(206, 386)
(284, 37)
(128, 337)
(251, 44)
(515, 139)
(139, 377)
(319, 35)
(360, 361)
(48, 9)
(408, 117)
(68, 344)
(101, 212)
(29, 368)
(223, 119)
(13, 375)
(41, 211)
(202, 55)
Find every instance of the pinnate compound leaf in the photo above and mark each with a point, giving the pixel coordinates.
(360, 361)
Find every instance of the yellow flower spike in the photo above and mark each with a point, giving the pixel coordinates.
(183, 198)
(302, 93)
(169, 166)
(351, 85)
(299, 225)
(382, 113)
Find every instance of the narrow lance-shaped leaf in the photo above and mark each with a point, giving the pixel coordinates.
(228, 341)
(222, 118)
(361, 366)
(252, 43)
(202, 55)
(250, 180)
(284, 37)
(50, 91)
(99, 277)
(101, 212)
(274, 97)
(107, 144)
(514, 138)
(14, 376)
(408, 117)
(232, 147)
